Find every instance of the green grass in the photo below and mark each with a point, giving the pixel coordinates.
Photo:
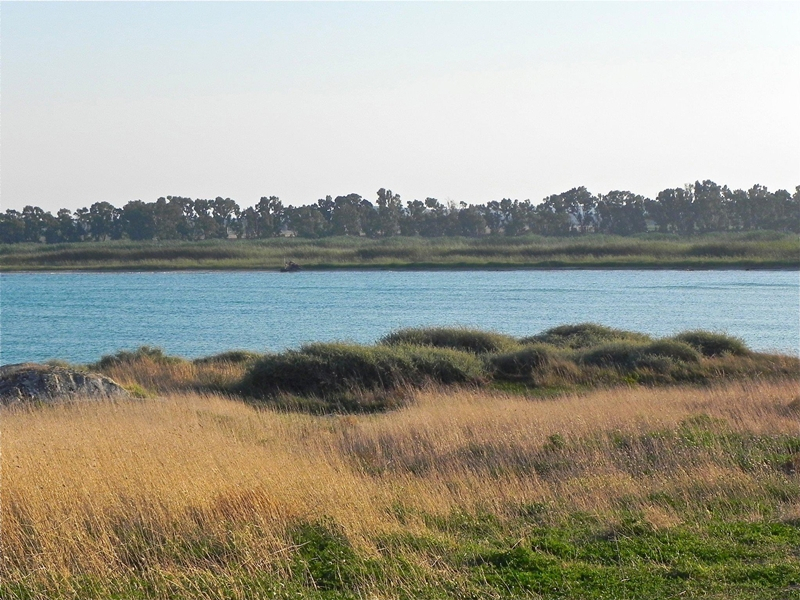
(477, 556)
(710, 251)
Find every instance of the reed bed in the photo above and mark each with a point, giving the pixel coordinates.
(720, 250)
(189, 495)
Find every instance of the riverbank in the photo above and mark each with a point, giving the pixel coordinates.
(580, 462)
(754, 250)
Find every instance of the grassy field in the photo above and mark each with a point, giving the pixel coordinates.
(618, 493)
(732, 250)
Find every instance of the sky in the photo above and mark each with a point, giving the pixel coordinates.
(472, 102)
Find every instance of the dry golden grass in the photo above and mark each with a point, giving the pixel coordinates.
(177, 375)
(115, 487)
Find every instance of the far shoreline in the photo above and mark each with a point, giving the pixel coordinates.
(401, 268)
(721, 251)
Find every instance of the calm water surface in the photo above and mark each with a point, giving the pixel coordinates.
(81, 316)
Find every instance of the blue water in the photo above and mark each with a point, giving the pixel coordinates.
(81, 316)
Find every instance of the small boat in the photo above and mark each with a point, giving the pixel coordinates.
(290, 266)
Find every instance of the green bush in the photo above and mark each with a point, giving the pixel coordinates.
(142, 353)
(522, 363)
(457, 338)
(660, 354)
(233, 356)
(713, 344)
(584, 335)
(622, 355)
(672, 349)
(329, 370)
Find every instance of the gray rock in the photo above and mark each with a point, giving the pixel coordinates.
(31, 382)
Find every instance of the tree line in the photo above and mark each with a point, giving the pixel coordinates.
(700, 208)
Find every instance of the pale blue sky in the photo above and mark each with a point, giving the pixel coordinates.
(462, 101)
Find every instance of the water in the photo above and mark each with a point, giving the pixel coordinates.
(81, 316)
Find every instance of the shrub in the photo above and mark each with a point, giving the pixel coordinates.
(149, 353)
(672, 349)
(659, 355)
(522, 363)
(233, 356)
(584, 335)
(457, 338)
(328, 370)
(622, 355)
(713, 344)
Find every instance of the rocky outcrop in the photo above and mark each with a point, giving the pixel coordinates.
(30, 382)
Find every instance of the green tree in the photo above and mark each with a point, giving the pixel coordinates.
(67, 227)
(390, 210)
(709, 207)
(12, 227)
(621, 213)
(103, 221)
(307, 221)
(138, 221)
(346, 215)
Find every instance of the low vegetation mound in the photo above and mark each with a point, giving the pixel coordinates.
(629, 355)
(354, 376)
(143, 353)
(584, 335)
(457, 338)
(340, 377)
(521, 364)
(713, 344)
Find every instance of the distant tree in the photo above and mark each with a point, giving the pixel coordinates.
(554, 215)
(413, 216)
(325, 207)
(709, 207)
(138, 221)
(103, 221)
(470, 221)
(33, 218)
(346, 215)
(224, 212)
(52, 230)
(621, 213)
(67, 227)
(12, 227)
(389, 213)
(307, 221)
(672, 210)
(168, 219)
(270, 215)
(793, 208)
(206, 227)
